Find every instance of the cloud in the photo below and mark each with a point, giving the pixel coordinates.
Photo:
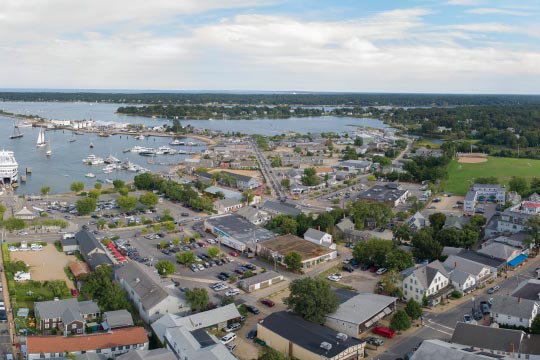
(498, 11)
(486, 27)
(464, 2)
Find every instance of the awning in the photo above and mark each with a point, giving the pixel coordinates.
(517, 260)
(387, 311)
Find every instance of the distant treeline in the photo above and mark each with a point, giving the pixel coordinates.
(314, 99)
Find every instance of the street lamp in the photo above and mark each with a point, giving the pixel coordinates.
(474, 305)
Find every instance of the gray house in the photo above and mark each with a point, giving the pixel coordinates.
(117, 319)
(91, 250)
(68, 316)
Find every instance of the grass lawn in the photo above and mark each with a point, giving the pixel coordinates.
(460, 176)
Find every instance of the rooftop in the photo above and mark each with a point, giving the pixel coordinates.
(67, 309)
(509, 305)
(498, 250)
(314, 234)
(267, 275)
(362, 307)
(486, 337)
(239, 228)
(54, 344)
(382, 193)
(287, 243)
(281, 208)
(229, 194)
(528, 289)
(481, 258)
(306, 334)
(438, 349)
(156, 354)
(118, 318)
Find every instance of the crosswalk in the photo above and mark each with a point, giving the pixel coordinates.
(438, 327)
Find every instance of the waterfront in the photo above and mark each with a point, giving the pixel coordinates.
(107, 113)
(65, 166)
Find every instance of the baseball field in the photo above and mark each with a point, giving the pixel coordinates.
(462, 175)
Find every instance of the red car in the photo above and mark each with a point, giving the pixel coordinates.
(234, 253)
(74, 292)
(382, 331)
(373, 269)
(268, 302)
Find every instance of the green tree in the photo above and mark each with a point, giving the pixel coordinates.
(123, 191)
(283, 225)
(127, 203)
(402, 232)
(424, 245)
(149, 199)
(267, 353)
(97, 186)
(286, 183)
(312, 299)
(101, 223)
(400, 321)
(94, 193)
(519, 185)
(310, 177)
(293, 260)
(77, 186)
(535, 325)
(197, 299)
(399, 259)
(248, 196)
(165, 267)
(213, 252)
(437, 221)
(373, 251)
(226, 300)
(413, 309)
(186, 257)
(86, 206)
(45, 190)
(118, 184)
(363, 210)
(533, 229)
(12, 224)
(99, 285)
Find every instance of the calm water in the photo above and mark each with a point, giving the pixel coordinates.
(65, 166)
(106, 113)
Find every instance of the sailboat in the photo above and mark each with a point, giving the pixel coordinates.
(41, 138)
(49, 151)
(72, 139)
(16, 133)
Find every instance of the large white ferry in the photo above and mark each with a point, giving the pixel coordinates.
(9, 168)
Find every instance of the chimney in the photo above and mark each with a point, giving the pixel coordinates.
(519, 300)
(137, 280)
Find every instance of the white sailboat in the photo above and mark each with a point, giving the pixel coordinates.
(49, 151)
(41, 138)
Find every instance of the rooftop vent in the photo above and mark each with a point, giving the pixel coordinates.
(326, 346)
(341, 336)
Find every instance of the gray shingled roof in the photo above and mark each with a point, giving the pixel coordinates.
(455, 262)
(362, 307)
(68, 309)
(91, 250)
(528, 289)
(265, 276)
(486, 337)
(280, 208)
(498, 250)
(314, 234)
(509, 305)
(156, 354)
(118, 318)
(426, 274)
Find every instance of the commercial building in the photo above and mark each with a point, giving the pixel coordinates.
(488, 338)
(236, 232)
(312, 254)
(149, 295)
(391, 194)
(224, 206)
(260, 281)
(254, 215)
(280, 208)
(91, 250)
(110, 344)
(481, 192)
(291, 335)
(360, 312)
(528, 289)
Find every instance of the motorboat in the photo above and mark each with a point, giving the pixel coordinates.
(140, 137)
(166, 150)
(93, 160)
(177, 142)
(90, 175)
(111, 160)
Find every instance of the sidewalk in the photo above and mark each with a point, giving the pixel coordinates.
(9, 309)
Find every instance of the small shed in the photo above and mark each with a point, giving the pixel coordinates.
(260, 281)
(25, 214)
(117, 319)
(79, 268)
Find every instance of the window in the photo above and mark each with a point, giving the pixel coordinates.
(113, 349)
(46, 325)
(98, 351)
(73, 326)
(79, 331)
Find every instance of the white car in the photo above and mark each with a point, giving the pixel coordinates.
(381, 271)
(333, 278)
(2, 305)
(233, 327)
(13, 248)
(221, 287)
(200, 267)
(22, 233)
(232, 292)
(228, 338)
(36, 247)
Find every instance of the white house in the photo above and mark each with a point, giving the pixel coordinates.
(151, 298)
(224, 206)
(462, 281)
(431, 280)
(480, 192)
(509, 310)
(319, 237)
(480, 272)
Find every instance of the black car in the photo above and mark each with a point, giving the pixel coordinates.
(252, 309)
(348, 267)
(251, 266)
(222, 277)
(3, 316)
(85, 227)
(252, 334)
(364, 267)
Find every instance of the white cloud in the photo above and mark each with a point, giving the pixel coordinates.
(389, 51)
(464, 2)
(498, 11)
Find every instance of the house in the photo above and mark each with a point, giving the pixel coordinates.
(312, 254)
(430, 281)
(228, 194)
(462, 281)
(68, 316)
(260, 281)
(243, 182)
(236, 232)
(25, 214)
(480, 272)
(528, 289)
(91, 250)
(217, 318)
(356, 314)
(254, 215)
(456, 222)
(487, 338)
(147, 293)
(500, 251)
(481, 192)
(69, 245)
(79, 268)
(417, 221)
(117, 319)
(188, 344)
(156, 354)
(514, 219)
(495, 265)
(344, 226)
(110, 344)
(319, 237)
(298, 338)
(391, 194)
(509, 310)
(280, 208)
(356, 166)
(224, 206)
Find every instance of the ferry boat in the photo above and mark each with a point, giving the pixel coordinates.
(23, 125)
(9, 168)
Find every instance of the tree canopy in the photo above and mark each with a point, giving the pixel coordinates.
(400, 321)
(312, 299)
(197, 298)
(165, 267)
(149, 199)
(293, 260)
(86, 205)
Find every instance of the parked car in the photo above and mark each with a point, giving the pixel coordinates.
(364, 267)
(467, 318)
(233, 253)
(252, 309)
(233, 327)
(484, 307)
(268, 302)
(381, 271)
(493, 289)
(333, 278)
(232, 292)
(231, 347)
(228, 338)
(375, 341)
(384, 332)
(74, 292)
(252, 334)
(348, 268)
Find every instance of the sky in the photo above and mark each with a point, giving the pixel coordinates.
(415, 46)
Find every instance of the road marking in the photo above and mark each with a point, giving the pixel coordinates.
(444, 332)
(441, 325)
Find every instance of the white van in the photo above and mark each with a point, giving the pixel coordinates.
(228, 338)
(36, 247)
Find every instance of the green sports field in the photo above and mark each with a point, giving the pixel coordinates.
(460, 176)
